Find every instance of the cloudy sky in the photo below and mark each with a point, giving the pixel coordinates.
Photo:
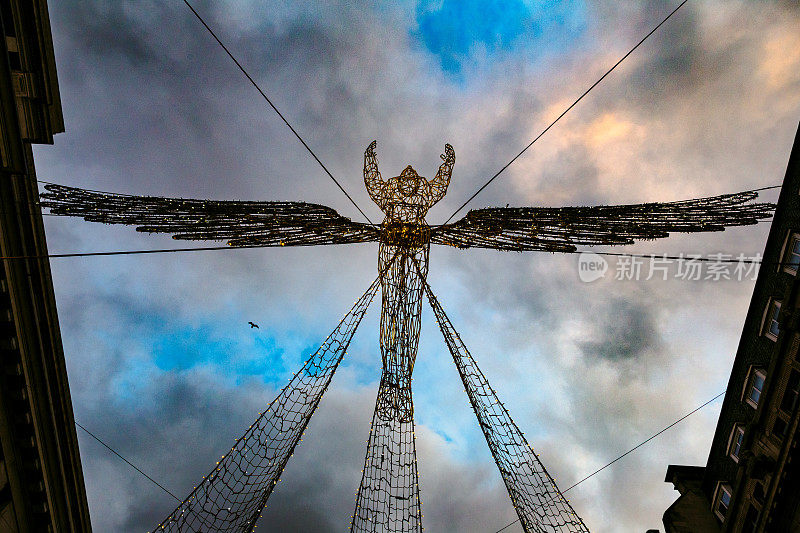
(161, 361)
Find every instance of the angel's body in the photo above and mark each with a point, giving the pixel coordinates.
(402, 265)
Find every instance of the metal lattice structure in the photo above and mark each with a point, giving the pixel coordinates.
(233, 495)
(562, 229)
(536, 498)
(238, 223)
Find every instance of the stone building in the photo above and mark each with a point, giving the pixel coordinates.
(751, 482)
(41, 482)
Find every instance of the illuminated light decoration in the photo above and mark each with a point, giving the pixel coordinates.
(233, 495)
(534, 494)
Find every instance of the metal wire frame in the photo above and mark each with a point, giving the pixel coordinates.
(541, 507)
(238, 223)
(553, 229)
(232, 496)
(407, 197)
(560, 229)
(388, 495)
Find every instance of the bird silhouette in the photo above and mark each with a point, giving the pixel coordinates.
(252, 325)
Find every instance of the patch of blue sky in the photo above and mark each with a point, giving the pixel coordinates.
(183, 347)
(170, 344)
(160, 346)
(462, 32)
(363, 358)
(131, 384)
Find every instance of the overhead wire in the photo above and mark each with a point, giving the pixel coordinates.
(133, 252)
(618, 458)
(274, 108)
(210, 248)
(308, 148)
(316, 158)
(681, 419)
(115, 452)
(595, 84)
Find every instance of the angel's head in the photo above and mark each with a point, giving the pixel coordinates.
(409, 181)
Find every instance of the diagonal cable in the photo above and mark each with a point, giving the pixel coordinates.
(681, 419)
(595, 84)
(115, 452)
(274, 108)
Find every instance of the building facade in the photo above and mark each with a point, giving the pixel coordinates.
(41, 481)
(751, 482)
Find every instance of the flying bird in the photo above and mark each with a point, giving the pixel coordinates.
(253, 325)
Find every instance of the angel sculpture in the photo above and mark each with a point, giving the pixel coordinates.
(232, 496)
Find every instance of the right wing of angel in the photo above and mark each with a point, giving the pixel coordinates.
(562, 229)
(238, 223)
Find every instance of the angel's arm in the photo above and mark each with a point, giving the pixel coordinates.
(438, 185)
(372, 176)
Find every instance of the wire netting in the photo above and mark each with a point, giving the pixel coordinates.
(240, 223)
(539, 504)
(231, 497)
(560, 229)
(388, 496)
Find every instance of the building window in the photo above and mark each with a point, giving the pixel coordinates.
(758, 493)
(791, 254)
(722, 500)
(779, 428)
(771, 327)
(755, 385)
(792, 393)
(751, 519)
(735, 443)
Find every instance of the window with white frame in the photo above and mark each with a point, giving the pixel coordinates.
(735, 442)
(722, 500)
(755, 385)
(771, 327)
(791, 253)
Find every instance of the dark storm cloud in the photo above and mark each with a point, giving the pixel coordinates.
(625, 330)
(672, 64)
(173, 430)
(191, 420)
(109, 30)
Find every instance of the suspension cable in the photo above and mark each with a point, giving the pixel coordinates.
(595, 84)
(115, 452)
(274, 108)
(681, 419)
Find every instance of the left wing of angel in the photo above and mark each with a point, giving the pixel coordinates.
(238, 223)
(561, 229)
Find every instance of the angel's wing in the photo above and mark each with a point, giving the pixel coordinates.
(560, 229)
(239, 223)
